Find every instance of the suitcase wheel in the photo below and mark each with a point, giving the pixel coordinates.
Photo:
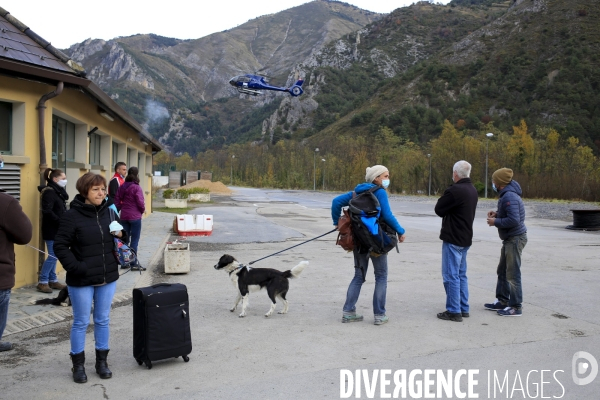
(185, 358)
(148, 364)
(140, 362)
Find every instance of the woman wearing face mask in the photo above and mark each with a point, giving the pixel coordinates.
(377, 175)
(53, 198)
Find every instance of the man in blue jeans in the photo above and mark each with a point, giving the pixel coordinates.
(15, 227)
(510, 221)
(457, 208)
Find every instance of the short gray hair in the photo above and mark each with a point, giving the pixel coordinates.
(462, 169)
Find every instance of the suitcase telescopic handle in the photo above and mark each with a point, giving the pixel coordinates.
(161, 284)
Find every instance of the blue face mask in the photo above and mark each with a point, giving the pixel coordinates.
(385, 183)
(494, 187)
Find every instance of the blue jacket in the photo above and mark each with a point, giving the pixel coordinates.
(386, 213)
(510, 217)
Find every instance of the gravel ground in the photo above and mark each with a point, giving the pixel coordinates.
(558, 210)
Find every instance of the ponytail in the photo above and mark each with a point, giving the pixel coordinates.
(132, 175)
(50, 174)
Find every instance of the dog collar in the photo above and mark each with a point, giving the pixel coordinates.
(239, 267)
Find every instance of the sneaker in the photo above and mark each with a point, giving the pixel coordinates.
(382, 319)
(44, 288)
(56, 285)
(510, 312)
(5, 346)
(137, 267)
(448, 316)
(495, 306)
(124, 266)
(352, 318)
(465, 314)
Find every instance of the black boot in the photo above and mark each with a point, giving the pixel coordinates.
(101, 365)
(78, 369)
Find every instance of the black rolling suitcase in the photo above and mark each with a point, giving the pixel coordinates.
(161, 323)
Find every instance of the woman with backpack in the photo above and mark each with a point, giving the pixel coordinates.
(53, 199)
(130, 201)
(376, 181)
(84, 245)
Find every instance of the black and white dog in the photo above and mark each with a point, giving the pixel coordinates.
(62, 299)
(247, 280)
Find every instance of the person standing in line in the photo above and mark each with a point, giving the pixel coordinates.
(117, 180)
(457, 207)
(15, 228)
(378, 175)
(130, 201)
(84, 246)
(53, 198)
(509, 218)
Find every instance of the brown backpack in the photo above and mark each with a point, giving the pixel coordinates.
(345, 238)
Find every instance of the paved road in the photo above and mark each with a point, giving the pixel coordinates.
(301, 355)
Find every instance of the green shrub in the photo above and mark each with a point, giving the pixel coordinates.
(182, 194)
(480, 187)
(197, 190)
(168, 193)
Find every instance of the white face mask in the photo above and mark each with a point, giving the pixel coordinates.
(385, 183)
(62, 183)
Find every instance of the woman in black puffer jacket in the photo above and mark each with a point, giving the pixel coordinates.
(53, 198)
(84, 246)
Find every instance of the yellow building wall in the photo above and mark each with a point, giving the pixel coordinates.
(82, 110)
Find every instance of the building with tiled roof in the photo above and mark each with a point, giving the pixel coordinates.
(51, 115)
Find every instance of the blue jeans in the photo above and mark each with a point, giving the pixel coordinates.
(4, 300)
(134, 230)
(48, 272)
(454, 274)
(508, 288)
(81, 300)
(361, 264)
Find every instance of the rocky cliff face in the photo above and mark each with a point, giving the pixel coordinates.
(183, 71)
(388, 46)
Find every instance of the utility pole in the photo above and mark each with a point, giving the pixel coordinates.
(315, 169)
(322, 159)
(231, 177)
(429, 156)
(487, 147)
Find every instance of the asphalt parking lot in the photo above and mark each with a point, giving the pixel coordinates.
(308, 353)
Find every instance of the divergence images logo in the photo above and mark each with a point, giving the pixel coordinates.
(583, 363)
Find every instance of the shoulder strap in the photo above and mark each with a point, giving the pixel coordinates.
(112, 212)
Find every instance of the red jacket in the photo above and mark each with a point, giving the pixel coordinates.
(113, 185)
(15, 227)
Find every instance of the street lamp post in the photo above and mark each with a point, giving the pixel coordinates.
(315, 168)
(231, 176)
(487, 146)
(322, 159)
(429, 156)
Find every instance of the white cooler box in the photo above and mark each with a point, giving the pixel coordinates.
(194, 225)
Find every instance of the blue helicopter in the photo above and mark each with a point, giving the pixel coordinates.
(253, 84)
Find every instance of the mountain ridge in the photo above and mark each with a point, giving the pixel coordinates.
(177, 71)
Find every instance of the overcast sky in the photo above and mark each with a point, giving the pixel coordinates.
(64, 23)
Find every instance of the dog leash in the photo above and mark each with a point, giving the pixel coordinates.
(50, 255)
(43, 252)
(299, 244)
